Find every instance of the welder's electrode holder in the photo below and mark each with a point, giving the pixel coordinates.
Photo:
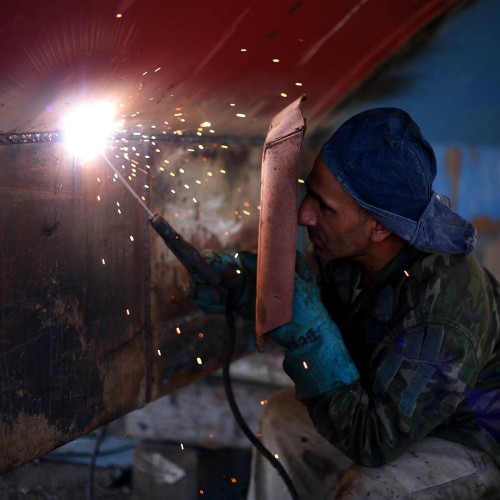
(187, 254)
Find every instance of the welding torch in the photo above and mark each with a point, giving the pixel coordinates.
(184, 251)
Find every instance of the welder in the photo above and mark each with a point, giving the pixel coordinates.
(393, 347)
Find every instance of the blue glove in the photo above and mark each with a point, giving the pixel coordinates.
(238, 272)
(316, 358)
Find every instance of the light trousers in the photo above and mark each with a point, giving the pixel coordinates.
(432, 469)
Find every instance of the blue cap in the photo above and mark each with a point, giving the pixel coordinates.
(382, 160)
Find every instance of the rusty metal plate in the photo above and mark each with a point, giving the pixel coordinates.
(94, 318)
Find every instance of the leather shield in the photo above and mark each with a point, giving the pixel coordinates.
(278, 219)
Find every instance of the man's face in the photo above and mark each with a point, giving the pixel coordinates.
(336, 224)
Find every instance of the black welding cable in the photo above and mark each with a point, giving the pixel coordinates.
(93, 458)
(239, 418)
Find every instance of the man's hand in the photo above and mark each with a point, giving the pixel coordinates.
(316, 358)
(236, 292)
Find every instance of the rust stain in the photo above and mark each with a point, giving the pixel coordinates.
(453, 162)
(486, 225)
(124, 377)
(29, 436)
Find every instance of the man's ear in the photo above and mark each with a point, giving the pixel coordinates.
(379, 232)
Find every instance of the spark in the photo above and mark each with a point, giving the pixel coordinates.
(263, 402)
(157, 69)
(276, 456)
(131, 238)
(224, 146)
(119, 15)
(276, 60)
(201, 335)
(407, 274)
(103, 262)
(232, 104)
(241, 115)
(205, 124)
(233, 480)
(127, 312)
(182, 446)
(98, 198)
(238, 271)
(301, 181)
(198, 360)
(243, 50)
(177, 330)
(283, 94)
(222, 171)
(298, 84)
(236, 255)
(304, 364)
(159, 352)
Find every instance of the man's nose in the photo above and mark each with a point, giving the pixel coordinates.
(307, 214)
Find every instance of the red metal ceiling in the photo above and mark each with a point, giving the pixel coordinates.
(157, 59)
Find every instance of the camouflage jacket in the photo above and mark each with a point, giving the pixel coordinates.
(424, 336)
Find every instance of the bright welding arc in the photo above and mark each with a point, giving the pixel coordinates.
(127, 185)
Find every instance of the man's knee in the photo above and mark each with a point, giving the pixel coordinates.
(282, 404)
(362, 482)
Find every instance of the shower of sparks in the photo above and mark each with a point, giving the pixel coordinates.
(127, 185)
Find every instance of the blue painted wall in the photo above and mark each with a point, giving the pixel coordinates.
(450, 83)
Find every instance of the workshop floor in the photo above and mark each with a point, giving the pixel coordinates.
(222, 474)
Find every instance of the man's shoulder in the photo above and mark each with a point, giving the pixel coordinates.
(461, 271)
(448, 284)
